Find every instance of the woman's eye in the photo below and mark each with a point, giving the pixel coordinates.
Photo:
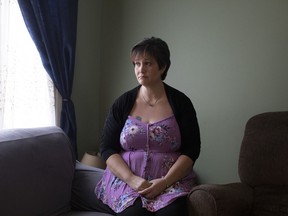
(137, 64)
(148, 63)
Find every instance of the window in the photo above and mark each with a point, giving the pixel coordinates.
(26, 91)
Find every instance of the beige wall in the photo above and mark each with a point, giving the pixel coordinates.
(228, 56)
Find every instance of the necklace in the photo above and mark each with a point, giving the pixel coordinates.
(147, 102)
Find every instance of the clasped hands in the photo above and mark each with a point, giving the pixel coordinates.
(148, 189)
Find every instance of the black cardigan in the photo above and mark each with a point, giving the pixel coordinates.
(184, 113)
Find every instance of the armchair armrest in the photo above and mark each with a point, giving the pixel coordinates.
(233, 199)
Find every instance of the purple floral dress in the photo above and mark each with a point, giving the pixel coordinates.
(149, 150)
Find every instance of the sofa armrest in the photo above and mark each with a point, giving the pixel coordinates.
(36, 171)
(220, 200)
(84, 183)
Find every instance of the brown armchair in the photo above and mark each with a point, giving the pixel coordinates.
(263, 172)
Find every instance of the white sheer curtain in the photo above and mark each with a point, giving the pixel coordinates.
(26, 91)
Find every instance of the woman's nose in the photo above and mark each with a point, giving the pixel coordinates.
(142, 68)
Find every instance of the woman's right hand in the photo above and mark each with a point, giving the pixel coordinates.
(137, 183)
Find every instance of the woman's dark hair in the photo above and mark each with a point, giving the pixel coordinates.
(158, 49)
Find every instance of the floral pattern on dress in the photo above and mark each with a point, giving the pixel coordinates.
(129, 131)
(160, 134)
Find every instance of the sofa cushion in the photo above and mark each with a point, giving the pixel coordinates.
(85, 180)
(271, 200)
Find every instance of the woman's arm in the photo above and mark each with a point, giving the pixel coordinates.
(121, 170)
(179, 170)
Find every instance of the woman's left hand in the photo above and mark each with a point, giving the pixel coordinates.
(156, 188)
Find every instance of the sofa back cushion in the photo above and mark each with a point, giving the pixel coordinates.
(264, 151)
(37, 168)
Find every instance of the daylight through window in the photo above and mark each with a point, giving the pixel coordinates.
(26, 91)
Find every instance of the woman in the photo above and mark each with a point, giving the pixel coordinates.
(150, 141)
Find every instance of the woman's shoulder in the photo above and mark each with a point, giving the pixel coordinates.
(176, 94)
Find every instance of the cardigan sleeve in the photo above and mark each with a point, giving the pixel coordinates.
(109, 142)
(186, 117)
(190, 132)
(117, 115)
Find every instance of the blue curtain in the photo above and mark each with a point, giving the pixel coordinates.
(52, 25)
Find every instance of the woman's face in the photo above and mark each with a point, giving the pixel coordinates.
(146, 70)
